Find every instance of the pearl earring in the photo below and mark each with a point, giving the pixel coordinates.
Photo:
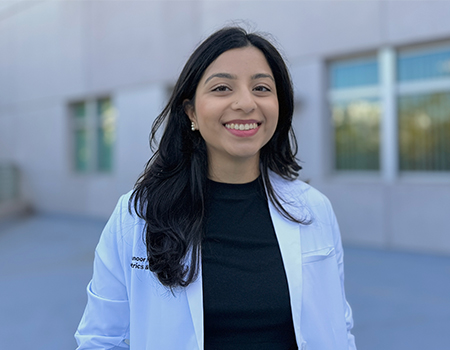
(192, 126)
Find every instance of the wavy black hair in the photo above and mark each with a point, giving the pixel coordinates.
(170, 194)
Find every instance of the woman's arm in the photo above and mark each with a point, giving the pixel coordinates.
(340, 261)
(106, 319)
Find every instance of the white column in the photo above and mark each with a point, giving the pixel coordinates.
(389, 128)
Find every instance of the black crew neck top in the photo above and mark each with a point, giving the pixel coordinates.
(245, 293)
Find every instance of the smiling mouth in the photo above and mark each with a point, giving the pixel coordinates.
(250, 126)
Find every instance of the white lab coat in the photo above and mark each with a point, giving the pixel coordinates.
(128, 307)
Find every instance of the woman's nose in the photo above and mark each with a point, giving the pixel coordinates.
(244, 101)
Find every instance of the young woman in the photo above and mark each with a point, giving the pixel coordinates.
(220, 246)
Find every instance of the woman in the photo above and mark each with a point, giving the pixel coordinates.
(220, 246)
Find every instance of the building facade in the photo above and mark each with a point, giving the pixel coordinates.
(82, 81)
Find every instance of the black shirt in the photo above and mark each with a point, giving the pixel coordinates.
(245, 293)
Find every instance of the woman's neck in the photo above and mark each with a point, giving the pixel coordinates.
(234, 172)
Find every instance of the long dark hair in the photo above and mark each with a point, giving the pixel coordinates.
(170, 195)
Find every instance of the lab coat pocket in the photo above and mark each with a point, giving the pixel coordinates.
(323, 321)
(105, 323)
(318, 255)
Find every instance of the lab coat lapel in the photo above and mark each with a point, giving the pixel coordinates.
(194, 294)
(288, 236)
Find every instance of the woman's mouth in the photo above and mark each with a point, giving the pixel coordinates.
(243, 129)
(249, 126)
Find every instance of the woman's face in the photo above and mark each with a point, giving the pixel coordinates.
(236, 107)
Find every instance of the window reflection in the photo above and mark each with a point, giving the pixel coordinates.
(357, 134)
(430, 64)
(424, 132)
(106, 133)
(94, 130)
(354, 73)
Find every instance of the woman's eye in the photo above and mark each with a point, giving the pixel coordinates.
(221, 88)
(262, 88)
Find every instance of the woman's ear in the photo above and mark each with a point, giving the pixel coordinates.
(189, 110)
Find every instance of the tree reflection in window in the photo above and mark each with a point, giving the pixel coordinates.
(357, 134)
(424, 132)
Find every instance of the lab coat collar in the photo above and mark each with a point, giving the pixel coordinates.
(288, 236)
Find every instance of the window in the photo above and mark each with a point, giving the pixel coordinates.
(424, 109)
(423, 64)
(355, 109)
(9, 182)
(93, 123)
(391, 111)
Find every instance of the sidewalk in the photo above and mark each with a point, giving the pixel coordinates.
(400, 300)
(45, 265)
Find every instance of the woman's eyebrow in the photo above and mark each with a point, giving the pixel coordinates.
(221, 75)
(262, 75)
(230, 76)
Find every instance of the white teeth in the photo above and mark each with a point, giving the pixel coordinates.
(241, 126)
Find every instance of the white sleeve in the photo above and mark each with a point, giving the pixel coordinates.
(340, 260)
(106, 319)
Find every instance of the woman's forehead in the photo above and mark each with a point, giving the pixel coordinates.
(249, 61)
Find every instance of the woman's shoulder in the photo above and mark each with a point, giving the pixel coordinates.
(297, 189)
(124, 209)
(126, 206)
(124, 221)
(301, 197)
